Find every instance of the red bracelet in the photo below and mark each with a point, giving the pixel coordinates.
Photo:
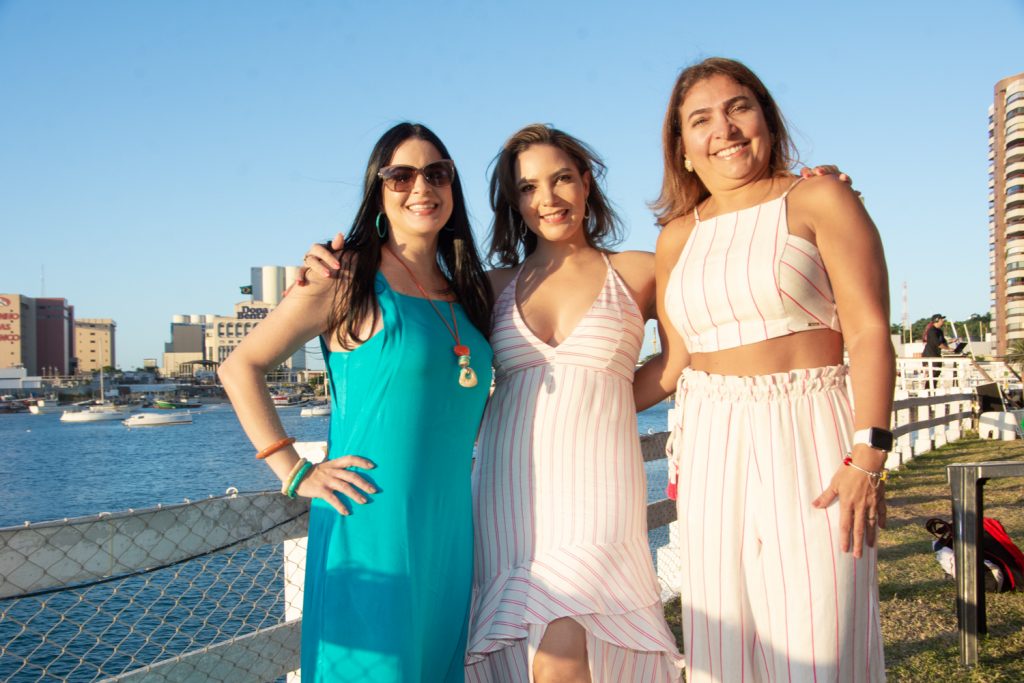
(275, 447)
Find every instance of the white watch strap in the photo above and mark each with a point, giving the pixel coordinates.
(862, 436)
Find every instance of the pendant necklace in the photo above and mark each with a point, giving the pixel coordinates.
(467, 377)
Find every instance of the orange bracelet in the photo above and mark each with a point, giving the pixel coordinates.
(275, 447)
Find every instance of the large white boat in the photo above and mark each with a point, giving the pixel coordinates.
(158, 419)
(99, 413)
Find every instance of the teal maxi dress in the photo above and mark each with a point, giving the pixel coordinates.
(387, 589)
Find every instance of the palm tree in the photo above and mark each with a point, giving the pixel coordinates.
(1015, 354)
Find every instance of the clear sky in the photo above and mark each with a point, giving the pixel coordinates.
(152, 152)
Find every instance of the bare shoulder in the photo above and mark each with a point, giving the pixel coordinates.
(636, 268)
(673, 238)
(500, 277)
(821, 193)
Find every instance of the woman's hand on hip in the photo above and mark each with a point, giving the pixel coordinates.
(331, 477)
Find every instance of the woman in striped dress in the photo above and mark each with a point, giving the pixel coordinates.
(564, 587)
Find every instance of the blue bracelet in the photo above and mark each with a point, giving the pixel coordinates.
(297, 479)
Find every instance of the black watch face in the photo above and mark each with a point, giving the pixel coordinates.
(881, 439)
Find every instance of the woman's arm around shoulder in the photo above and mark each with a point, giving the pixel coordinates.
(657, 378)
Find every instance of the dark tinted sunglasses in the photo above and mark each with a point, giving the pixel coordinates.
(401, 178)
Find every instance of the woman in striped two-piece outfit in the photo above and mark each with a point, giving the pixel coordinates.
(762, 279)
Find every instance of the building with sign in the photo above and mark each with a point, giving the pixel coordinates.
(37, 334)
(94, 343)
(18, 332)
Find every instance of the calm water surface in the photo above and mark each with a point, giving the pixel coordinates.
(51, 470)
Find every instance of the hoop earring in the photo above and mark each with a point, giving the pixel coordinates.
(586, 214)
(687, 164)
(382, 230)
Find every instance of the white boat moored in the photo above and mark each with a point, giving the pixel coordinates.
(316, 410)
(100, 413)
(158, 419)
(44, 406)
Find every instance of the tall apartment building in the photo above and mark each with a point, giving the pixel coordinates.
(1006, 211)
(94, 343)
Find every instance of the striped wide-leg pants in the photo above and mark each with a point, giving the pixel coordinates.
(767, 594)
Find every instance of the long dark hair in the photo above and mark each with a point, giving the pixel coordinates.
(510, 241)
(355, 295)
(681, 190)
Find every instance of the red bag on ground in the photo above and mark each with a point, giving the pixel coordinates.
(996, 546)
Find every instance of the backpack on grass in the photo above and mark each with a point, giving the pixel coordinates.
(996, 546)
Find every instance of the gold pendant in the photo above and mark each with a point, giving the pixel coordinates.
(467, 377)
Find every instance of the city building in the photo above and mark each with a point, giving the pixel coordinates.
(37, 334)
(1006, 211)
(269, 282)
(204, 341)
(94, 344)
(18, 332)
(55, 337)
(187, 343)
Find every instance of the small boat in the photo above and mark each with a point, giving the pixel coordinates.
(316, 410)
(288, 400)
(98, 413)
(165, 404)
(44, 406)
(158, 419)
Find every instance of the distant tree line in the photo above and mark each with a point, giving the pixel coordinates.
(974, 327)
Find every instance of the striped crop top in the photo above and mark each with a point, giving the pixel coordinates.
(742, 278)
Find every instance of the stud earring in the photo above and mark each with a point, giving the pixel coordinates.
(382, 226)
(687, 164)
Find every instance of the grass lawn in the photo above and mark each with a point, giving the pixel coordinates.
(918, 600)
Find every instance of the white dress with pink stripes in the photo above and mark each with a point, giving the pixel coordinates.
(559, 500)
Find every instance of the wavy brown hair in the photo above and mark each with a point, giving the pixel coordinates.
(682, 190)
(511, 242)
(355, 296)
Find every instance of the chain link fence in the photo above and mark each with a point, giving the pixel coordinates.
(204, 590)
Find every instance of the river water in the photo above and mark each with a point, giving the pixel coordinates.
(52, 470)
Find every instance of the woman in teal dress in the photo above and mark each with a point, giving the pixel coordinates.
(389, 555)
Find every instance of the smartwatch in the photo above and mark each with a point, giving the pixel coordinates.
(874, 437)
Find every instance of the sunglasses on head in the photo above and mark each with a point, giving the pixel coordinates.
(401, 178)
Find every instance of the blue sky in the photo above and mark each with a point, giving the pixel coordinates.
(151, 153)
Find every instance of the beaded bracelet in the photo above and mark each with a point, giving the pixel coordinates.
(875, 477)
(291, 475)
(297, 479)
(275, 447)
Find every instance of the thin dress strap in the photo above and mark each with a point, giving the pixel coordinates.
(790, 188)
